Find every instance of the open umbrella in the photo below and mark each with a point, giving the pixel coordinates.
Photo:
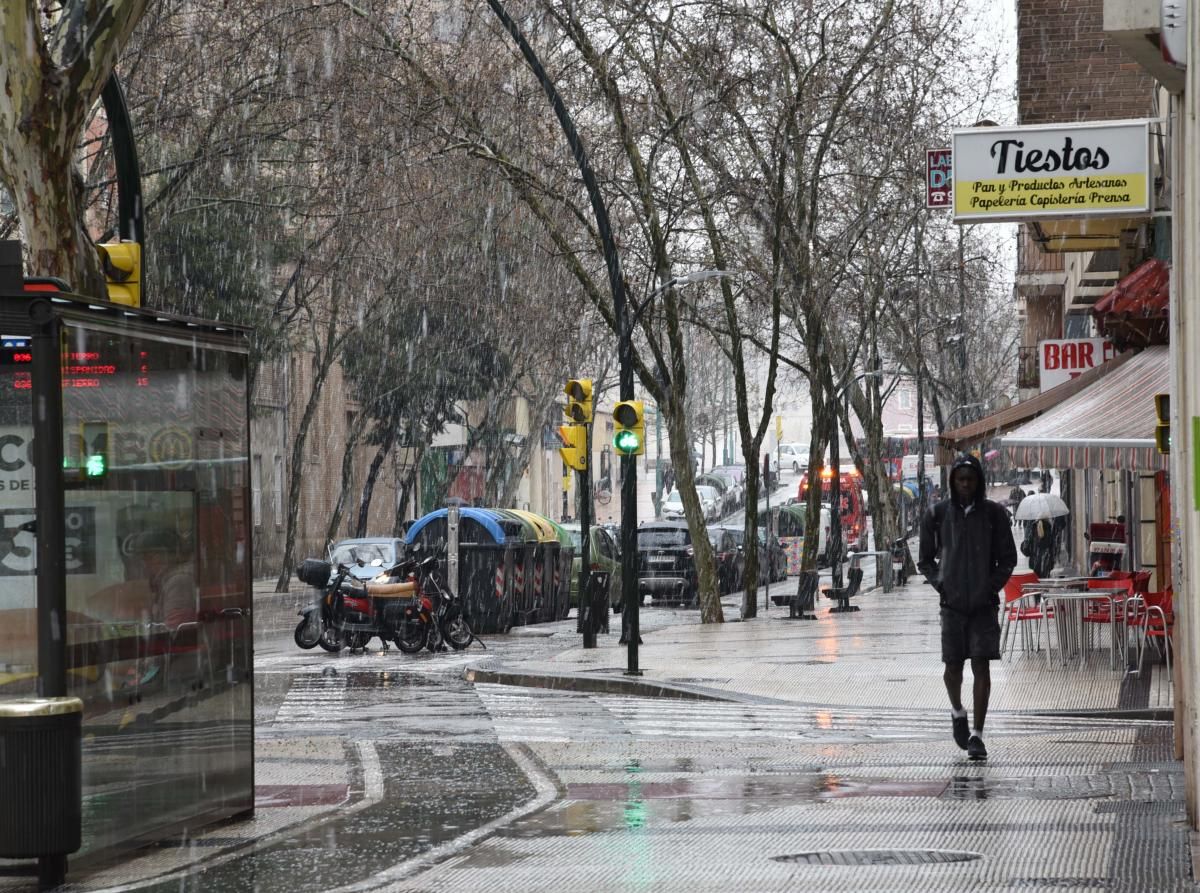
(1041, 505)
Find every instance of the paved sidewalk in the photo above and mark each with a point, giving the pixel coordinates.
(885, 655)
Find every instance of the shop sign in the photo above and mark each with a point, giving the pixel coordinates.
(1060, 361)
(1057, 170)
(939, 165)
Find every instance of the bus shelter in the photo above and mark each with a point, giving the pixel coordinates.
(125, 556)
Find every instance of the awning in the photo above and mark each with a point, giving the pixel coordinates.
(1134, 313)
(1108, 424)
(974, 433)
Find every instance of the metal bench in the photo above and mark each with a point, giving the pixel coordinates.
(843, 594)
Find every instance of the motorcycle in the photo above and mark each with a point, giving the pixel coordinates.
(412, 610)
(435, 618)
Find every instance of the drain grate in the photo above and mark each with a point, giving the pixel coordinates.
(1054, 883)
(878, 857)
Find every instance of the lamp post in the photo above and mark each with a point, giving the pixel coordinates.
(623, 326)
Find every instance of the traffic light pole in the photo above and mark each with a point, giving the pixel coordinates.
(616, 282)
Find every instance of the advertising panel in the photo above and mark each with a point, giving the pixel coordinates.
(1058, 170)
(939, 165)
(1061, 360)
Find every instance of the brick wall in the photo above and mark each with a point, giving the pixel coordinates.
(1068, 69)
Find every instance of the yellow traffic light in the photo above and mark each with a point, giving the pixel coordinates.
(122, 263)
(579, 400)
(574, 448)
(1162, 431)
(629, 438)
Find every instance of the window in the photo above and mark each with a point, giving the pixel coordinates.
(256, 490)
(906, 398)
(277, 493)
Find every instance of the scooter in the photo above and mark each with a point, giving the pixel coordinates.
(345, 612)
(1106, 547)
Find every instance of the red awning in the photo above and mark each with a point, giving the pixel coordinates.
(1134, 313)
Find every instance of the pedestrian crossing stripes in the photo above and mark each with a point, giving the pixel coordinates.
(313, 698)
(522, 714)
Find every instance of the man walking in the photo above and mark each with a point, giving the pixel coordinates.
(967, 554)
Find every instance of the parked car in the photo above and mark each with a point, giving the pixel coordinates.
(772, 556)
(735, 491)
(672, 506)
(602, 556)
(361, 553)
(666, 563)
(710, 502)
(789, 526)
(794, 456)
(730, 560)
(725, 490)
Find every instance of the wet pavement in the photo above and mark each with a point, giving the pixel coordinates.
(813, 755)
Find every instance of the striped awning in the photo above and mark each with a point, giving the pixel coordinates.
(1108, 424)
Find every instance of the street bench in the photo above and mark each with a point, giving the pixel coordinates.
(843, 594)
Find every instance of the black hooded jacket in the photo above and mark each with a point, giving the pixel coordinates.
(967, 552)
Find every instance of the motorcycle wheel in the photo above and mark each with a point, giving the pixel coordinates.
(331, 640)
(457, 631)
(304, 634)
(357, 641)
(410, 638)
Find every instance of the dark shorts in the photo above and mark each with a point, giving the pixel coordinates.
(970, 636)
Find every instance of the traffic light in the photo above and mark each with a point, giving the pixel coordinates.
(95, 449)
(122, 263)
(579, 400)
(574, 448)
(1162, 431)
(629, 439)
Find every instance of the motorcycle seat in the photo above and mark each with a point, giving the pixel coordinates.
(407, 589)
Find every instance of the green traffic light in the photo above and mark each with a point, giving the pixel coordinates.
(95, 466)
(626, 442)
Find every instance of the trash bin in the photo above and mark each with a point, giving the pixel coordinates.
(546, 606)
(485, 562)
(524, 560)
(563, 570)
(41, 794)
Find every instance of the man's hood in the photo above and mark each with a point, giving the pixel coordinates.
(966, 460)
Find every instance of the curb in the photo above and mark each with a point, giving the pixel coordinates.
(607, 685)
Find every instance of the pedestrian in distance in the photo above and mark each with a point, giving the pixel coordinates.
(967, 554)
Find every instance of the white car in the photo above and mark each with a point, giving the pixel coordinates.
(710, 502)
(794, 456)
(672, 506)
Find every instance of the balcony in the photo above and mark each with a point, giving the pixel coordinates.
(1039, 273)
(1028, 375)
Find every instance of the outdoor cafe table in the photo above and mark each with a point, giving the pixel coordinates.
(1067, 602)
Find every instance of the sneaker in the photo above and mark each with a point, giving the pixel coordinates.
(961, 732)
(975, 749)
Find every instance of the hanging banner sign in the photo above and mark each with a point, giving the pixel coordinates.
(939, 164)
(1061, 360)
(1056, 170)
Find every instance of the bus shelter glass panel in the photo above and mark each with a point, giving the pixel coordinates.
(155, 460)
(18, 589)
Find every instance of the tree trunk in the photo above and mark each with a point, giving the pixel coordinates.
(685, 480)
(335, 521)
(364, 505)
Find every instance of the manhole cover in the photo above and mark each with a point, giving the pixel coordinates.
(878, 857)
